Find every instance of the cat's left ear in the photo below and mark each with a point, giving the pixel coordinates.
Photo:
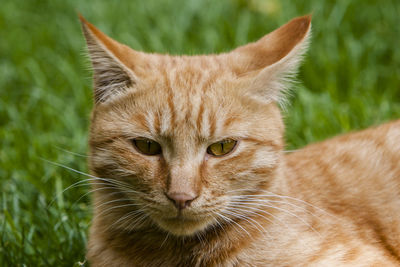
(271, 62)
(113, 63)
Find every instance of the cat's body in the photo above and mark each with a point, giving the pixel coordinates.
(174, 202)
(362, 227)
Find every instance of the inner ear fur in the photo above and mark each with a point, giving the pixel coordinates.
(268, 65)
(112, 62)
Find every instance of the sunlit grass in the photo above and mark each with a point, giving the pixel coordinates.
(350, 80)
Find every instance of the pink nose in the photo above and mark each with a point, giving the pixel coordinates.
(181, 200)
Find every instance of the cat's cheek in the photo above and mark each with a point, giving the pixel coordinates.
(264, 158)
(248, 169)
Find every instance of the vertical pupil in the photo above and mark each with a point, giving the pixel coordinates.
(222, 147)
(147, 147)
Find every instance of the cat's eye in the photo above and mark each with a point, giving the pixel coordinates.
(147, 146)
(222, 147)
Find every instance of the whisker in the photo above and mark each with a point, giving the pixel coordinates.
(112, 201)
(137, 222)
(224, 220)
(239, 204)
(286, 211)
(200, 237)
(86, 174)
(70, 152)
(217, 223)
(165, 239)
(253, 199)
(233, 221)
(284, 197)
(113, 182)
(246, 207)
(290, 151)
(126, 216)
(110, 188)
(132, 220)
(234, 212)
(118, 206)
(92, 191)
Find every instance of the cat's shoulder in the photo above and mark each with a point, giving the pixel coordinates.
(385, 136)
(371, 152)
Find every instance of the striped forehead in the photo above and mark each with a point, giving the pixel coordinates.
(188, 105)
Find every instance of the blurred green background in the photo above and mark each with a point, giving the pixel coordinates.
(350, 79)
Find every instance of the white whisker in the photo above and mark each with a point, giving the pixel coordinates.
(87, 174)
(235, 213)
(239, 204)
(93, 179)
(253, 199)
(280, 196)
(165, 239)
(112, 201)
(117, 207)
(285, 211)
(72, 153)
(105, 188)
(200, 237)
(227, 219)
(137, 222)
(127, 216)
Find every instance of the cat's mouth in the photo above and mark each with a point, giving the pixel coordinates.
(182, 225)
(181, 219)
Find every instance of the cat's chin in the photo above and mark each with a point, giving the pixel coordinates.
(183, 226)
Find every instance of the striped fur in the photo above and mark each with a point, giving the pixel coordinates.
(329, 204)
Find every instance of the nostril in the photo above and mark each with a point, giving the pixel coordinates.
(181, 200)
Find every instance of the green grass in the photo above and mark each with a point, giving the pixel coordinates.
(350, 80)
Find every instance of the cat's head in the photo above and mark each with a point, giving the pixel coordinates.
(178, 138)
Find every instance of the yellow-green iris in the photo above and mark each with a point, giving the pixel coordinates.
(222, 147)
(147, 146)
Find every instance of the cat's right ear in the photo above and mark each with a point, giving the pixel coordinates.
(271, 62)
(113, 68)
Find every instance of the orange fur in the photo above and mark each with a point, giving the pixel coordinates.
(329, 204)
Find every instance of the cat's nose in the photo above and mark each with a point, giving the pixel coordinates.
(181, 200)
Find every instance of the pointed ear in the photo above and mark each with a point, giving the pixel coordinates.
(113, 69)
(272, 61)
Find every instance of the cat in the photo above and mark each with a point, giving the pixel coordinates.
(187, 155)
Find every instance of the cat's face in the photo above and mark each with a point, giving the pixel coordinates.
(185, 110)
(183, 137)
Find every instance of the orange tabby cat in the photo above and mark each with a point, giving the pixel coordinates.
(190, 169)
